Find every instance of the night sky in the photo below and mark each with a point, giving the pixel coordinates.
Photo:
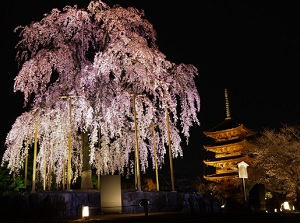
(249, 47)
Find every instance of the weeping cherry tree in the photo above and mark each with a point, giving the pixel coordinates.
(84, 71)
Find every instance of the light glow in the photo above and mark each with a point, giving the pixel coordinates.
(85, 211)
(286, 205)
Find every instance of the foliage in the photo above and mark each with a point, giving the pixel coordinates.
(222, 190)
(149, 184)
(98, 71)
(9, 184)
(276, 160)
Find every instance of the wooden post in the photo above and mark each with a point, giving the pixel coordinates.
(137, 157)
(34, 156)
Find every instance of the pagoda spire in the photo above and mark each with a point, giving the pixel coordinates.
(227, 105)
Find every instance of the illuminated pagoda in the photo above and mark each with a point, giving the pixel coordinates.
(229, 139)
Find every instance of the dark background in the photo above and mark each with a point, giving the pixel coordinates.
(249, 47)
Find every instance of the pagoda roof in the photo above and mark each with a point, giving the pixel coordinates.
(229, 129)
(231, 142)
(221, 176)
(224, 159)
(228, 123)
(227, 146)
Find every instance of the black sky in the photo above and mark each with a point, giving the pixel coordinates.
(249, 47)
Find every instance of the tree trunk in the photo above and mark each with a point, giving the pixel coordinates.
(86, 178)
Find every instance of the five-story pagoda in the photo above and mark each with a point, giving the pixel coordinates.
(229, 139)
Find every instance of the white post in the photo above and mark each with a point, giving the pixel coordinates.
(242, 166)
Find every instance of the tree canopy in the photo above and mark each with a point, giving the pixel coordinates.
(85, 70)
(276, 160)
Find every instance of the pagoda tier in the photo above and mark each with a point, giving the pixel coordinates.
(228, 130)
(225, 163)
(229, 141)
(221, 177)
(225, 149)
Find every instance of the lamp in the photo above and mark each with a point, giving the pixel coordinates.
(85, 211)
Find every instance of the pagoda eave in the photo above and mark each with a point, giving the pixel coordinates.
(239, 131)
(236, 146)
(220, 177)
(219, 161)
